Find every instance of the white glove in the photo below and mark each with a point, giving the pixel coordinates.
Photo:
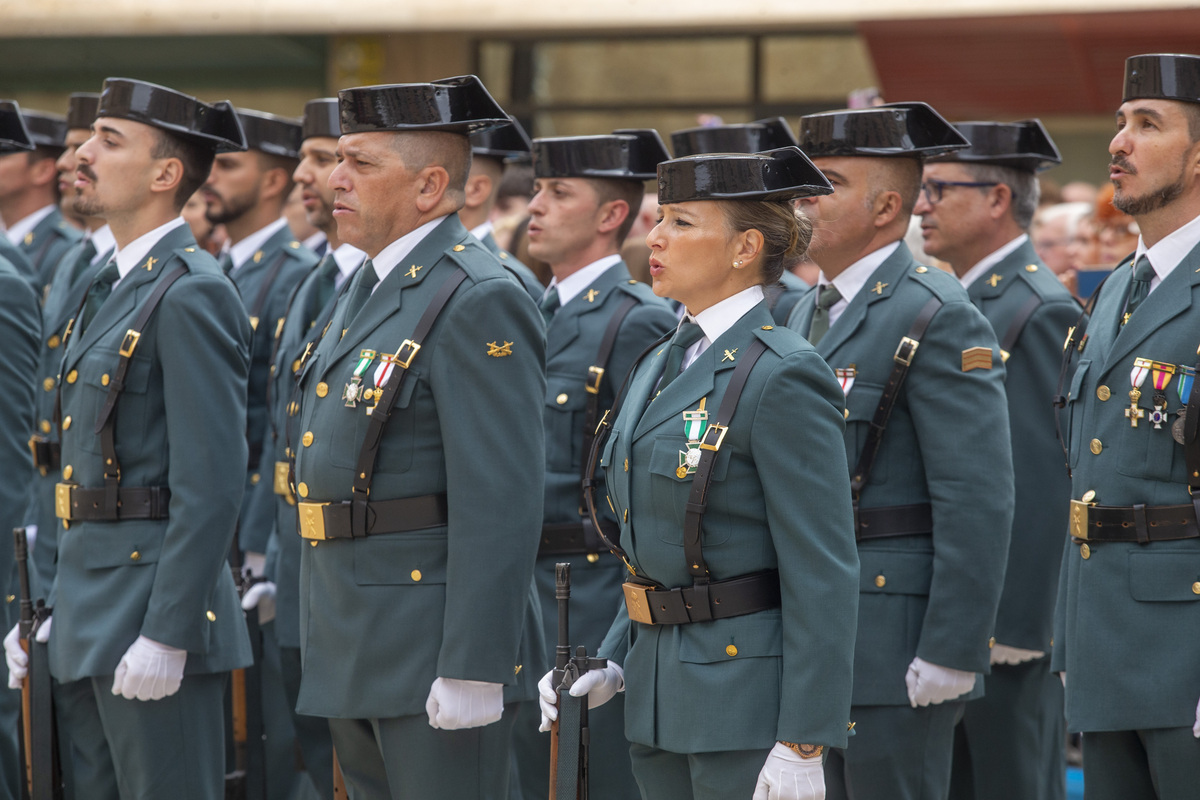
(1003, 654)
(262, 597)
(1196, 727)
(1063, 676)
(149, 671)
(455, 704)
(929, 684)
(254, 563)
(600, 685)
(16, 657)
(787, 776)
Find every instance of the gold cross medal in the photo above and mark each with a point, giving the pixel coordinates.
(1137, 376)
(695, 423)
(354, 389)
(1161, 376)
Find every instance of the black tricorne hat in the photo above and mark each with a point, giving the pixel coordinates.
(505, 142)
(781, 174)
(270, 133)
(454, 105)
(213, 125)
(893, 130)
(321, 118)
(46, 129)
(1022, 145)
(1164, 76)
(81, 109)
(749, 137)
(627, 154)
(14, 136)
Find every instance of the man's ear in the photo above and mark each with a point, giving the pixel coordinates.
(167, 175)
(432, 182)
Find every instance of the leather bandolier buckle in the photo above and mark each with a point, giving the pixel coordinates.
(282, 484)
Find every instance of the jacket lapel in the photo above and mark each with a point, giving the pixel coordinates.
(564, 326)
(1169, 299)
(880, 285)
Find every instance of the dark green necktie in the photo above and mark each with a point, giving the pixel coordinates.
(226, 262)
(1139, 287)
(87, 251)
(367, 279)
(100, 289)
(324, 285)
(549, 304)
(688, 334)
(827, 297)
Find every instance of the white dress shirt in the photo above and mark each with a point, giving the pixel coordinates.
(991, 260)
(16, 231)
(717, 319)
(1167, 254)
(133, 254)
(572, 285)
(852, 279)
(398, 250)
(244, 250)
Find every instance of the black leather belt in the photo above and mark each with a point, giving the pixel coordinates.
(1139, 523)
(46, 454)
(321, 521)
(888, 521)
(75, 504)
(735, 597)
(573, 539)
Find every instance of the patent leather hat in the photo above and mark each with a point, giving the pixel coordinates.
(894, 130)
(781, 174)
(214, 125)
(14, 136)
(749, 137)
(1023, 145)
(626, 154)
(1164, 76)
(81, 109)
(507, 142)
(270, 133)
(321, 118)
(46, 129)
(454, 105)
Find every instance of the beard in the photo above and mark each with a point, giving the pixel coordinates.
(1152, 200)
(87, 206)
(321, 217)
(230, 209)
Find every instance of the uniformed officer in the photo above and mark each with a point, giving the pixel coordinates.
(932, 470)
(491, 150)
(1127, 632)
(587, 190)
(748, 137)
(273, 506)
(29, 199)
(735, 683)
(421, 516)
(20, 329)
(153, 451)
(79, 266)
(976, 206)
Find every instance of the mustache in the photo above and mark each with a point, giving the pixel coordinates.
(1123, 163)
(86, 171)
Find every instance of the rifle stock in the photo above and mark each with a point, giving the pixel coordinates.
(21, 550)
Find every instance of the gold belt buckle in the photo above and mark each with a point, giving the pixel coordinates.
(62, 500)
(312, 521)
(637, 603)
(282, 486)
(1079, 520)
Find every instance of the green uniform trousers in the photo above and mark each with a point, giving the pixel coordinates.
(312, 733)
(1155, 764)
(897, 753)
(1012, 741)
(144, 750)
(10, 771)
(663, 775)
(402, 758)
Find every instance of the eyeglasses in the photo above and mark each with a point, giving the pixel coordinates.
(933, 190)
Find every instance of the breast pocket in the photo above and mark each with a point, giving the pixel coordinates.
(396, 449)
(860, 410)
(95, 374)
(566, 404)
(1150, 453)
(670, 489)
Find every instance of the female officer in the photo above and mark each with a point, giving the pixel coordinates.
(726, 466)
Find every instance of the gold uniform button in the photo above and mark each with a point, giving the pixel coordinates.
(991, 642)
(104, 379)
(593, 558)
(416, 575)
(48, 384)
(72, 376)
(1103, 392)
(10, 598)
(46, 426)
(53, 342)
(880, 581)
(1085, 551)
(308, 438)
(211, 616)
(768, 327)
(731, 651)
(922, 270)
(1089, 496)
(1096, 446)
(135, 556)
(1031, 267)
(67, 470)
(458, 248)
(561, 399)
(254, 479)
(302, 489)
(66, 422)
(322, 389)
(1196, 587)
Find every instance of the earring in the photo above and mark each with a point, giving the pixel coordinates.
(737, 265)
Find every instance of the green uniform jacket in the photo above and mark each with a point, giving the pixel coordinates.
(1026, 616)
(779, 499)
(947, 444)
(1127, 624)
(178, 424)
(383, 616)
(13, 255)
(62, 302)
(45, 246)
(20, 330)
(521, 272)
(249, 279)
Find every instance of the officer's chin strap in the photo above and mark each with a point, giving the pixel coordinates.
(1075, 342)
